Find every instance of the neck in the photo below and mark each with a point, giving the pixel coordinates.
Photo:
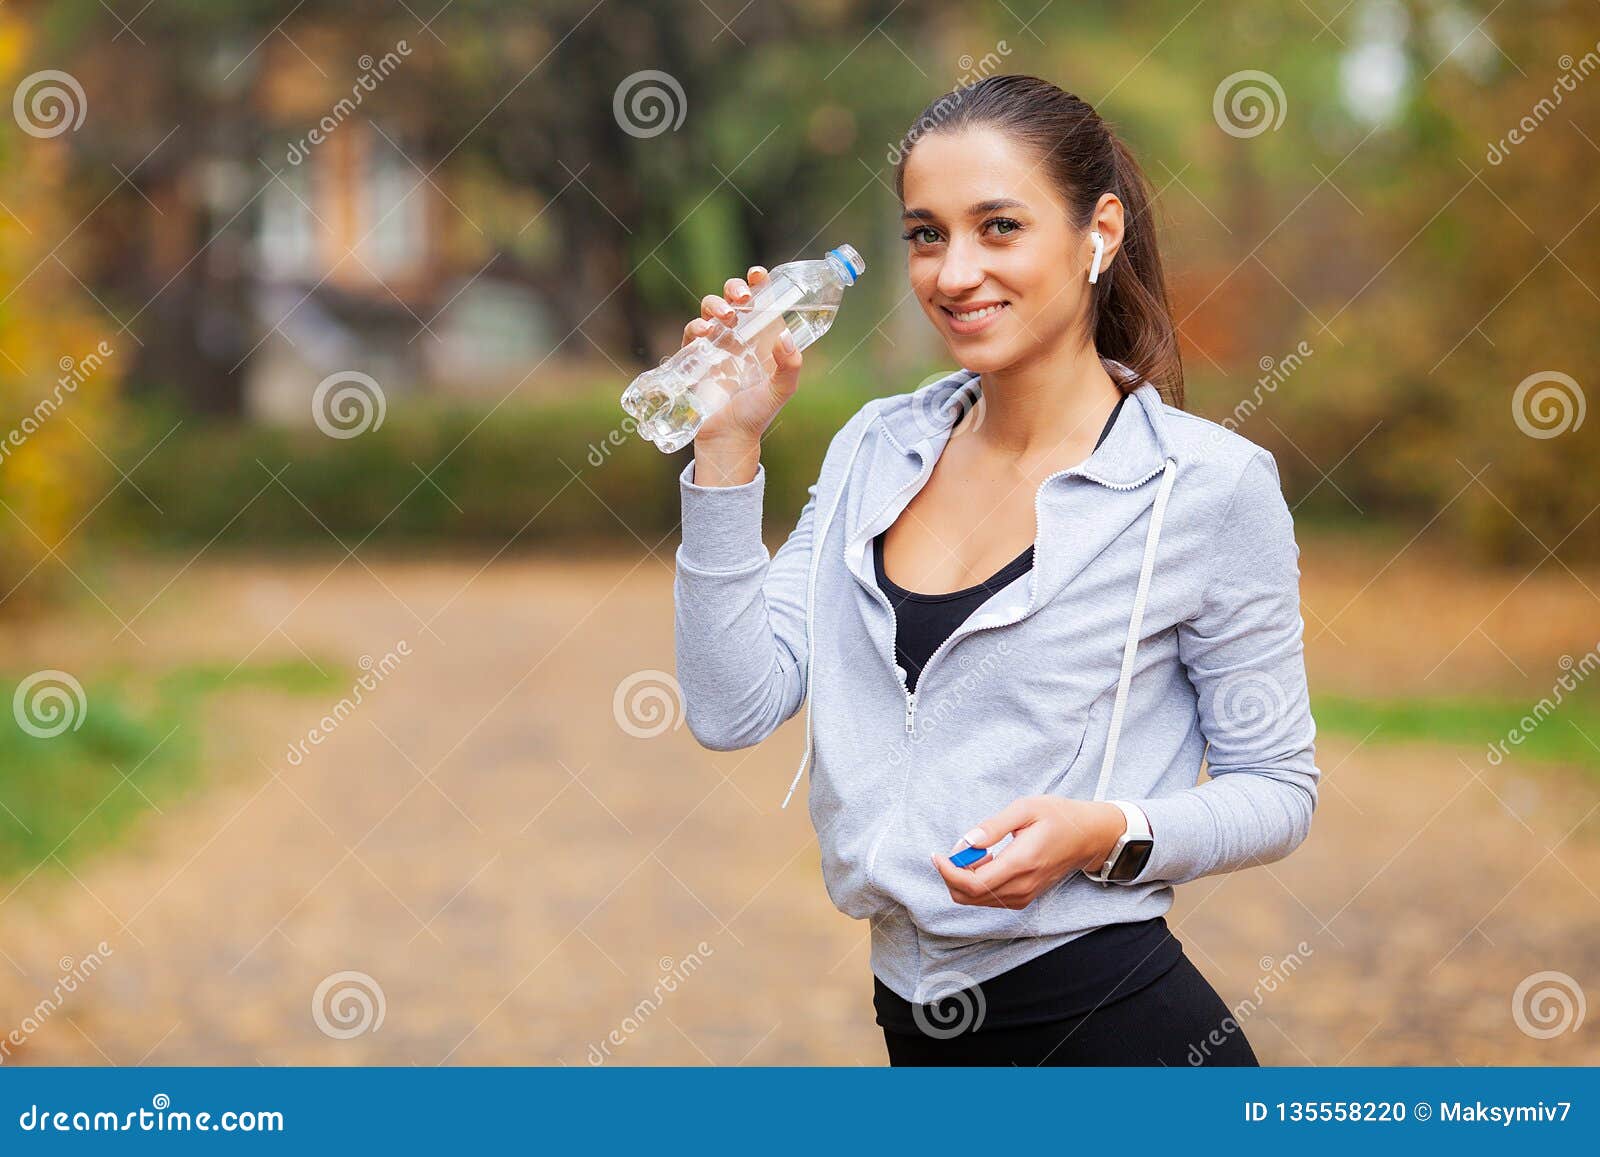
(1049, 408)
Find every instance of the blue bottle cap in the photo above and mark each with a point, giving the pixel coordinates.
(851, 260)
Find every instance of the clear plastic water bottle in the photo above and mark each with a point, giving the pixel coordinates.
(670, 402)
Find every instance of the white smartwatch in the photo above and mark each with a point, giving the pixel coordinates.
(1132, 851)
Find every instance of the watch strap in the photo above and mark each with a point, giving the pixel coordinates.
(1137, 828)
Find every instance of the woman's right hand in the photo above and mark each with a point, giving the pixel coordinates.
(740, 423)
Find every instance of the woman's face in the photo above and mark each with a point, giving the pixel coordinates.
(991, 252)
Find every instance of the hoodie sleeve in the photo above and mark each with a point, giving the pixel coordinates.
(740, 616)
(1244, 653)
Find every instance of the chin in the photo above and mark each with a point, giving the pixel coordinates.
(980, 357)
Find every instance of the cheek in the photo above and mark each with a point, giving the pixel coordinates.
(1049, 289)
(923, 275)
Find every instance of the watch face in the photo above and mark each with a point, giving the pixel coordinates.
(1135, 855)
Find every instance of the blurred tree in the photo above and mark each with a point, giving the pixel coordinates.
(59, 358)
(1491, 279)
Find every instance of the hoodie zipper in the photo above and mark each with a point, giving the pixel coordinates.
(894, 668)
(911, 701)
(911, 696)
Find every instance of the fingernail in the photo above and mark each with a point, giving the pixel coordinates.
(974, 838)
(786, 340)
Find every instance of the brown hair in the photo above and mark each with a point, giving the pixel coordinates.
(1130, 316)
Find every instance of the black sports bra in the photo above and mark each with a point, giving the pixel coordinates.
(923, 622)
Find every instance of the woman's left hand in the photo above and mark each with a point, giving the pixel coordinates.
(1053, 837)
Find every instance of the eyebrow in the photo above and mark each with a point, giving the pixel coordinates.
(976, 210)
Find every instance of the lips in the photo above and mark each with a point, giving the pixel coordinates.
(974, 316)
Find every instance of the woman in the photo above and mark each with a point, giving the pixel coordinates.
(1039, 591)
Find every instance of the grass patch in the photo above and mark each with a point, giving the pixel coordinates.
(139, 743)
(1566, 735)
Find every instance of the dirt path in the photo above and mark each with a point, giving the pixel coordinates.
(517, 874)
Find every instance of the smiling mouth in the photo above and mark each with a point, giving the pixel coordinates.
(976, 314)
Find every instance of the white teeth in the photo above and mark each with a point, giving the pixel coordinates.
(975, 314)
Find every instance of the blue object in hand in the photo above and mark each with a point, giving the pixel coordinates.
(968, 856)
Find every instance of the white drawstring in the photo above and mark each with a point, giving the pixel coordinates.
(818, 542)
(1132, 643)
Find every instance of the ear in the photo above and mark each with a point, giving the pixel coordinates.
(1107, 220)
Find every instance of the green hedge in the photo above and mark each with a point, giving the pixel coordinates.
(569, 472)
(572, 472)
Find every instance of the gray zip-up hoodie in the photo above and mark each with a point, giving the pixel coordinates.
(1162, 614)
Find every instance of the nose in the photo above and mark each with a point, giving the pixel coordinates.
(960, 272)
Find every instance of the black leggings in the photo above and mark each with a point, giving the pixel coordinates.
(1177, 1020)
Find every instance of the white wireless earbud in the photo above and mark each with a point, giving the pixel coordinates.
(1099, 255)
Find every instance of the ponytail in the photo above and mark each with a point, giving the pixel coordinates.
(1130, 313)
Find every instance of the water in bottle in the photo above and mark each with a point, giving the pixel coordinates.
(670, 402)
